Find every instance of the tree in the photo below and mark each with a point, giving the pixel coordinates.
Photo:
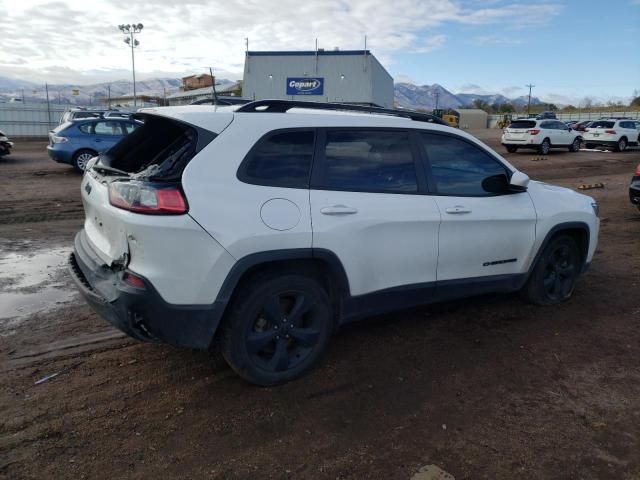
(551, 107)
(507, 108)
(481, 104)
(635, 102)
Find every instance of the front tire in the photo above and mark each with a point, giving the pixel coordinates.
(545, 146)
(512, 149)
(81, 158)
(554, 276)
(277, 328)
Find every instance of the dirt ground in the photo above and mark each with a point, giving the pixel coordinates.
(487, 387)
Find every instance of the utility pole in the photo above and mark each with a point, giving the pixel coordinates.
(46, 89)
(437, 94)
(131, 31)
(109, 96)
(529, 104)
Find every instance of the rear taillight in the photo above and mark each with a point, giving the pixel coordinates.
(637, 174)
(149, 198)
(533, 131)
(610, 132)
(56, 139)
(133, 280)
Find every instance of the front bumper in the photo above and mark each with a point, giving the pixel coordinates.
(140, 313)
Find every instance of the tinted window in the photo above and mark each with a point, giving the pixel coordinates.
(548, 125)
(283, 159)
(560, 126)
(601, 124)
(459, 168)
(522, 124)
(107, 128)
(130, 127)
(374, 161)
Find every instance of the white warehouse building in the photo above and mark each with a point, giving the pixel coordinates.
(349, 76)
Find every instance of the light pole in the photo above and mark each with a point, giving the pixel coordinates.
(131, 31)
(529, 104)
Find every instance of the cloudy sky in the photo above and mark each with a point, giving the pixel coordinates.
(568, 49)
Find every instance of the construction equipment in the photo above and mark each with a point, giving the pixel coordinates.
(505, 121)
(452, 119)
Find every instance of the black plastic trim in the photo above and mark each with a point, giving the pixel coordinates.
(557, 229)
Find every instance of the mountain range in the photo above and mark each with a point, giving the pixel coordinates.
(407, 95)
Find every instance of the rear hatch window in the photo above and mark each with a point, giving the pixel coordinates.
(160, 148)
(522, 124)
(601, 124)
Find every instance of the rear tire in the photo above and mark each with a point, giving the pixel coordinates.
(544, 147)
(277, 328)
(512, 149)
(554, 275)
(575, 146)
(81, 157)
(621, 146)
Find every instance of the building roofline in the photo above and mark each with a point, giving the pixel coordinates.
(306, 53)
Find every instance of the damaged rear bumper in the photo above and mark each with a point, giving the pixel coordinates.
(139, 312)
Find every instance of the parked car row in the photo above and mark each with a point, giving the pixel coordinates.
(82, 113)
(543, 135)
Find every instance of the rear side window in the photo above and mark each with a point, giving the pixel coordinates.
(548, 125)
(86, 127)
(522, 124)
(281, 160)
(368, 161)
(107, 128)
(459, 168)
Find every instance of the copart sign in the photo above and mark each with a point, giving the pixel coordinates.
(305, 86)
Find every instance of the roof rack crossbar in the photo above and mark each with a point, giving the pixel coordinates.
(282, 106)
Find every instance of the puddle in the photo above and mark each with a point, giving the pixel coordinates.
(32, 282)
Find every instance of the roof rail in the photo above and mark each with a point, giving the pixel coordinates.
(282, 106)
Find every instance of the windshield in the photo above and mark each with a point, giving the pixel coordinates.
(602, 124)
(522, 124)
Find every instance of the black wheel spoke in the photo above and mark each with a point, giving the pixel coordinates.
(307, 337)
(257, 341)
(272, 310)
(567, 271)
(548, 282)
(301, 306)
(280, 359)
(557, 286)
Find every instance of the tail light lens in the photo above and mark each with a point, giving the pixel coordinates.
(533, 131)
(610, 132)
(637, 174)
(134, 280)
(149, 198)
(56, 139)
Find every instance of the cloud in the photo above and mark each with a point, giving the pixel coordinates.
(431, 44)
(498, 40)
(191, 35)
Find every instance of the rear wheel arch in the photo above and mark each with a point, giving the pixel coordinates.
(319, 264)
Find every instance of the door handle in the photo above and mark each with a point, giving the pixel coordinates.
(458, 209)
(338, 210)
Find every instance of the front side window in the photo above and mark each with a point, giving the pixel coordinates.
(369, 161)
(107, 128)
(459, 168)
(281, 160)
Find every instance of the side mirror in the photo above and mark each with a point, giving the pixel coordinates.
(519, 182)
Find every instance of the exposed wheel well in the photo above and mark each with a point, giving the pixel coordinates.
(580, 236)
(324, 270)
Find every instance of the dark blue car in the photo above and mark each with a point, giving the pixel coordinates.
(77, 142)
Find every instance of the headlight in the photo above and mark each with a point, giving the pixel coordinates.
(596, 208)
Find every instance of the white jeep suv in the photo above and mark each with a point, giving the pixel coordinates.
(264, 229)
(541, 135)
(614, 133)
